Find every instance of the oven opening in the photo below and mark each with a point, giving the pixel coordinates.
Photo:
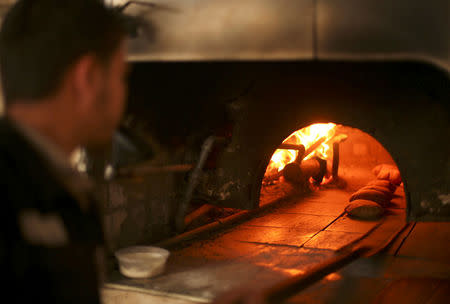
(328, 191)
(334, 173)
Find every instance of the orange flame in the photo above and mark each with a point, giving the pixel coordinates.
(307, 137)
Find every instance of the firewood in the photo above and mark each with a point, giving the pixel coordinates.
(293, 173)
(300, 173)
(314, 146)
(292, 147)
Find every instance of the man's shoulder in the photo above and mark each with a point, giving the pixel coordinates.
(11, 145)
(23, 172)
(8, 132)
(14, 149)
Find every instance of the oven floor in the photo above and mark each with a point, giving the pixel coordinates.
(293, 237)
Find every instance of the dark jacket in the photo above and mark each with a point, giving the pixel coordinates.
(34, 272)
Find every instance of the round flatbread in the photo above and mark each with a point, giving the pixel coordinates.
(371, 195)
(395, 177)
(385, 190)
(364, 210)
(382, 183)
(388, 172)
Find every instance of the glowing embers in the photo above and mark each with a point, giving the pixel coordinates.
(313, 138)
(302, 157)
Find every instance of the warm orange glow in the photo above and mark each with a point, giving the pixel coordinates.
(333, 277)
(307, 137)
(288, 271)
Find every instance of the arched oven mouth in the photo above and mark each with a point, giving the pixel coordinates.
(326, 186)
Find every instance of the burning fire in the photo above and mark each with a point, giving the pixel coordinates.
(307, 137)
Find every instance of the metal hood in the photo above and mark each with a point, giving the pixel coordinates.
(214, 30)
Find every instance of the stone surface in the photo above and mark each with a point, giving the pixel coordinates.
(332, 240)
(313, 206)
(299, 221)
(347, 224)
(272, 235)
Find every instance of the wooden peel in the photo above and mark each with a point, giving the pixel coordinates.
(365, 247)
(285, 289)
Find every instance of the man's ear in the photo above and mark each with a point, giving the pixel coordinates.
(86, 80)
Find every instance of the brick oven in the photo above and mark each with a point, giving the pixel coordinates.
(243, 83)
(252, 124)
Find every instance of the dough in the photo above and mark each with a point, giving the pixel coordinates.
(383, 183)
(371, 195)
(365, 210)
(382, 189)
(388, 172)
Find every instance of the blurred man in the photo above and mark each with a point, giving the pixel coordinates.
(62, 68)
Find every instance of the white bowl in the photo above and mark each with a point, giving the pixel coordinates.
(140, 262)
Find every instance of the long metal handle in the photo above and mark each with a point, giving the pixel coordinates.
(194, 179)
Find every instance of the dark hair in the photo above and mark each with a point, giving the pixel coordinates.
(41, 39)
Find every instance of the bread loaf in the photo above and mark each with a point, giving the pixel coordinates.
(384, 190)
(383, 183)
(371, 195)
(364, 210)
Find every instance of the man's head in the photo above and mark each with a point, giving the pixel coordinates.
(68, 53)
